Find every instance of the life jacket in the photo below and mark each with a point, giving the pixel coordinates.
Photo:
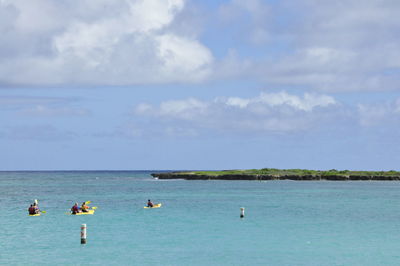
(75, 209)
(32, 210)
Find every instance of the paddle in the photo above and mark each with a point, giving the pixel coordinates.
(94, 208)
(88, 202)
(43, 211)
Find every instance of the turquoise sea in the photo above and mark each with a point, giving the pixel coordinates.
(286, 222)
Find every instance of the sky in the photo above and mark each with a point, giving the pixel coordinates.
(189, 84)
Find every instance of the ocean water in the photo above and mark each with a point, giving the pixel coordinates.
(286, 222)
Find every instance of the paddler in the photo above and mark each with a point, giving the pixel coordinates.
(149, 204)
(36, 207)
(75, 208)
(84, 207)
(31, 210)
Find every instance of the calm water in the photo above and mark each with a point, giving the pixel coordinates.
(286, 223)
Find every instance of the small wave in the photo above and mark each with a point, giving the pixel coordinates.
(170, 180)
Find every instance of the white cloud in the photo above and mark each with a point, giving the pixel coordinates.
(331, 46)
(307, 103)
(110, 43)
(328, 46)
(237, 102)
(378, 114)
(183, 56)
(268, 112)
(144, 108)
(187, 109)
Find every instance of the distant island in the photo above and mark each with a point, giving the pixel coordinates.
(281, 174)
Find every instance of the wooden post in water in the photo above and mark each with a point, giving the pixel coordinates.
(242, 212)
(83, 234)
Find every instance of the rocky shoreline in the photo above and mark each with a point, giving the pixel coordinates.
(192, 176)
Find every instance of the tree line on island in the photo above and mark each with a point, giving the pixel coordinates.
(280, 174)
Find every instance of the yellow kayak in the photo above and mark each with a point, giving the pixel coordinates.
(37, 214)
(154, 206)
(84, 213)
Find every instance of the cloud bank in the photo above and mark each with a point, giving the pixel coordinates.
(326, 46)
(96, 43)
(329, 46)
(269, 112)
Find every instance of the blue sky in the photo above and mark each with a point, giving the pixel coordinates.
(181, 84)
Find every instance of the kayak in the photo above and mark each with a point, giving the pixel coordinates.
(84, 213)
(154, 206)
(37, 214)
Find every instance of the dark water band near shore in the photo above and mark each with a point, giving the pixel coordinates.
(219, 175)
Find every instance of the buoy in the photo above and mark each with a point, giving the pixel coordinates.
(83, 234)
(242, 212)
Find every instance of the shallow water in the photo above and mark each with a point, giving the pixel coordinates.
(286, 222)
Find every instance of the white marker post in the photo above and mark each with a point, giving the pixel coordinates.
(83, 234)
(242, 212)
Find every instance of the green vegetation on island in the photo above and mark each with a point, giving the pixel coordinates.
(296, 172)
(282, 174)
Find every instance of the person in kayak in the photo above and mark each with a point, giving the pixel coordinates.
(149, 204)
(84, 207)
(36, 207)
(31, 210)
(75, 209)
